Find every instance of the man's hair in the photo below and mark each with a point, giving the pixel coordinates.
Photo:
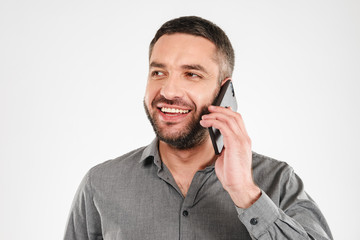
(201, 27)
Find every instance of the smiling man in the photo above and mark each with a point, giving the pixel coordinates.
(176, 187)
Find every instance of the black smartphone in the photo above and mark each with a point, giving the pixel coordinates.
(226, 98)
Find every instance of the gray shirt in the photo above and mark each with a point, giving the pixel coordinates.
(136, 197)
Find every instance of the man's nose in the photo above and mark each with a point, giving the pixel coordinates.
(172, 88)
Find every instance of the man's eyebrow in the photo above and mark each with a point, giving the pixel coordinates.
(185, 66)
(194, 67)
(157, 65)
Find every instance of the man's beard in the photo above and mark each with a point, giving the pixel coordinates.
(191, 135)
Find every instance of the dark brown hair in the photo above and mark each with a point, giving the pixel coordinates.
(201, 27)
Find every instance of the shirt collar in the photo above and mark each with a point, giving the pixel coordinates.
(151, 152)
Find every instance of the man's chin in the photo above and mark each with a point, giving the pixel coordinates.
(171, 138)
(182, 135)
(186, 140)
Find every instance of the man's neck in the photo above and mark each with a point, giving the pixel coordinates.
(183, 164)
(196, 158)
(187, 161)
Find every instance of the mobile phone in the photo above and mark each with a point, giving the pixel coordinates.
(225, 98)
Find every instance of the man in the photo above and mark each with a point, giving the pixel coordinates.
(176, 187)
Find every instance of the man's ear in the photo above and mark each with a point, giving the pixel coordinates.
(225, 80)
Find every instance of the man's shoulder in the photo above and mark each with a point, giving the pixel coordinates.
(122, 163)
(271, 174)
(268, 167)
(262, 161)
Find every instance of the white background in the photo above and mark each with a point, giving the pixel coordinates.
(73, 75)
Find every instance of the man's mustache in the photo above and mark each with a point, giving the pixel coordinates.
(176, 101)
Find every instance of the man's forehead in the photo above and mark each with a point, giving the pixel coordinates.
(186, 41)
(195, 49)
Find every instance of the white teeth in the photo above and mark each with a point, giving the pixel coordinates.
(173, 110)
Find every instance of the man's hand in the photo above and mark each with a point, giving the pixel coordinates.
(234, 165)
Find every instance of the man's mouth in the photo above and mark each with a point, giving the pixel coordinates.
(167, 110)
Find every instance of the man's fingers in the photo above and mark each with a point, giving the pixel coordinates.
(229, 114)
(229, 121)
(222, 126)
(229, 129)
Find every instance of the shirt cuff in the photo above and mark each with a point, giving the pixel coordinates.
(259, 216)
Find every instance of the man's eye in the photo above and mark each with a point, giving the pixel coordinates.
(192, 75)
(157, 73)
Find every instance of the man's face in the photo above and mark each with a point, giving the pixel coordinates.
(183, 81)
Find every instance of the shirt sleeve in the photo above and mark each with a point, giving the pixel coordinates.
(84, 219)
(295, 217)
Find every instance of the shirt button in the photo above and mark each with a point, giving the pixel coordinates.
(254, 221)
(185, 213)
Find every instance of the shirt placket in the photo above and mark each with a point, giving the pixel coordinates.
(186, 228)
